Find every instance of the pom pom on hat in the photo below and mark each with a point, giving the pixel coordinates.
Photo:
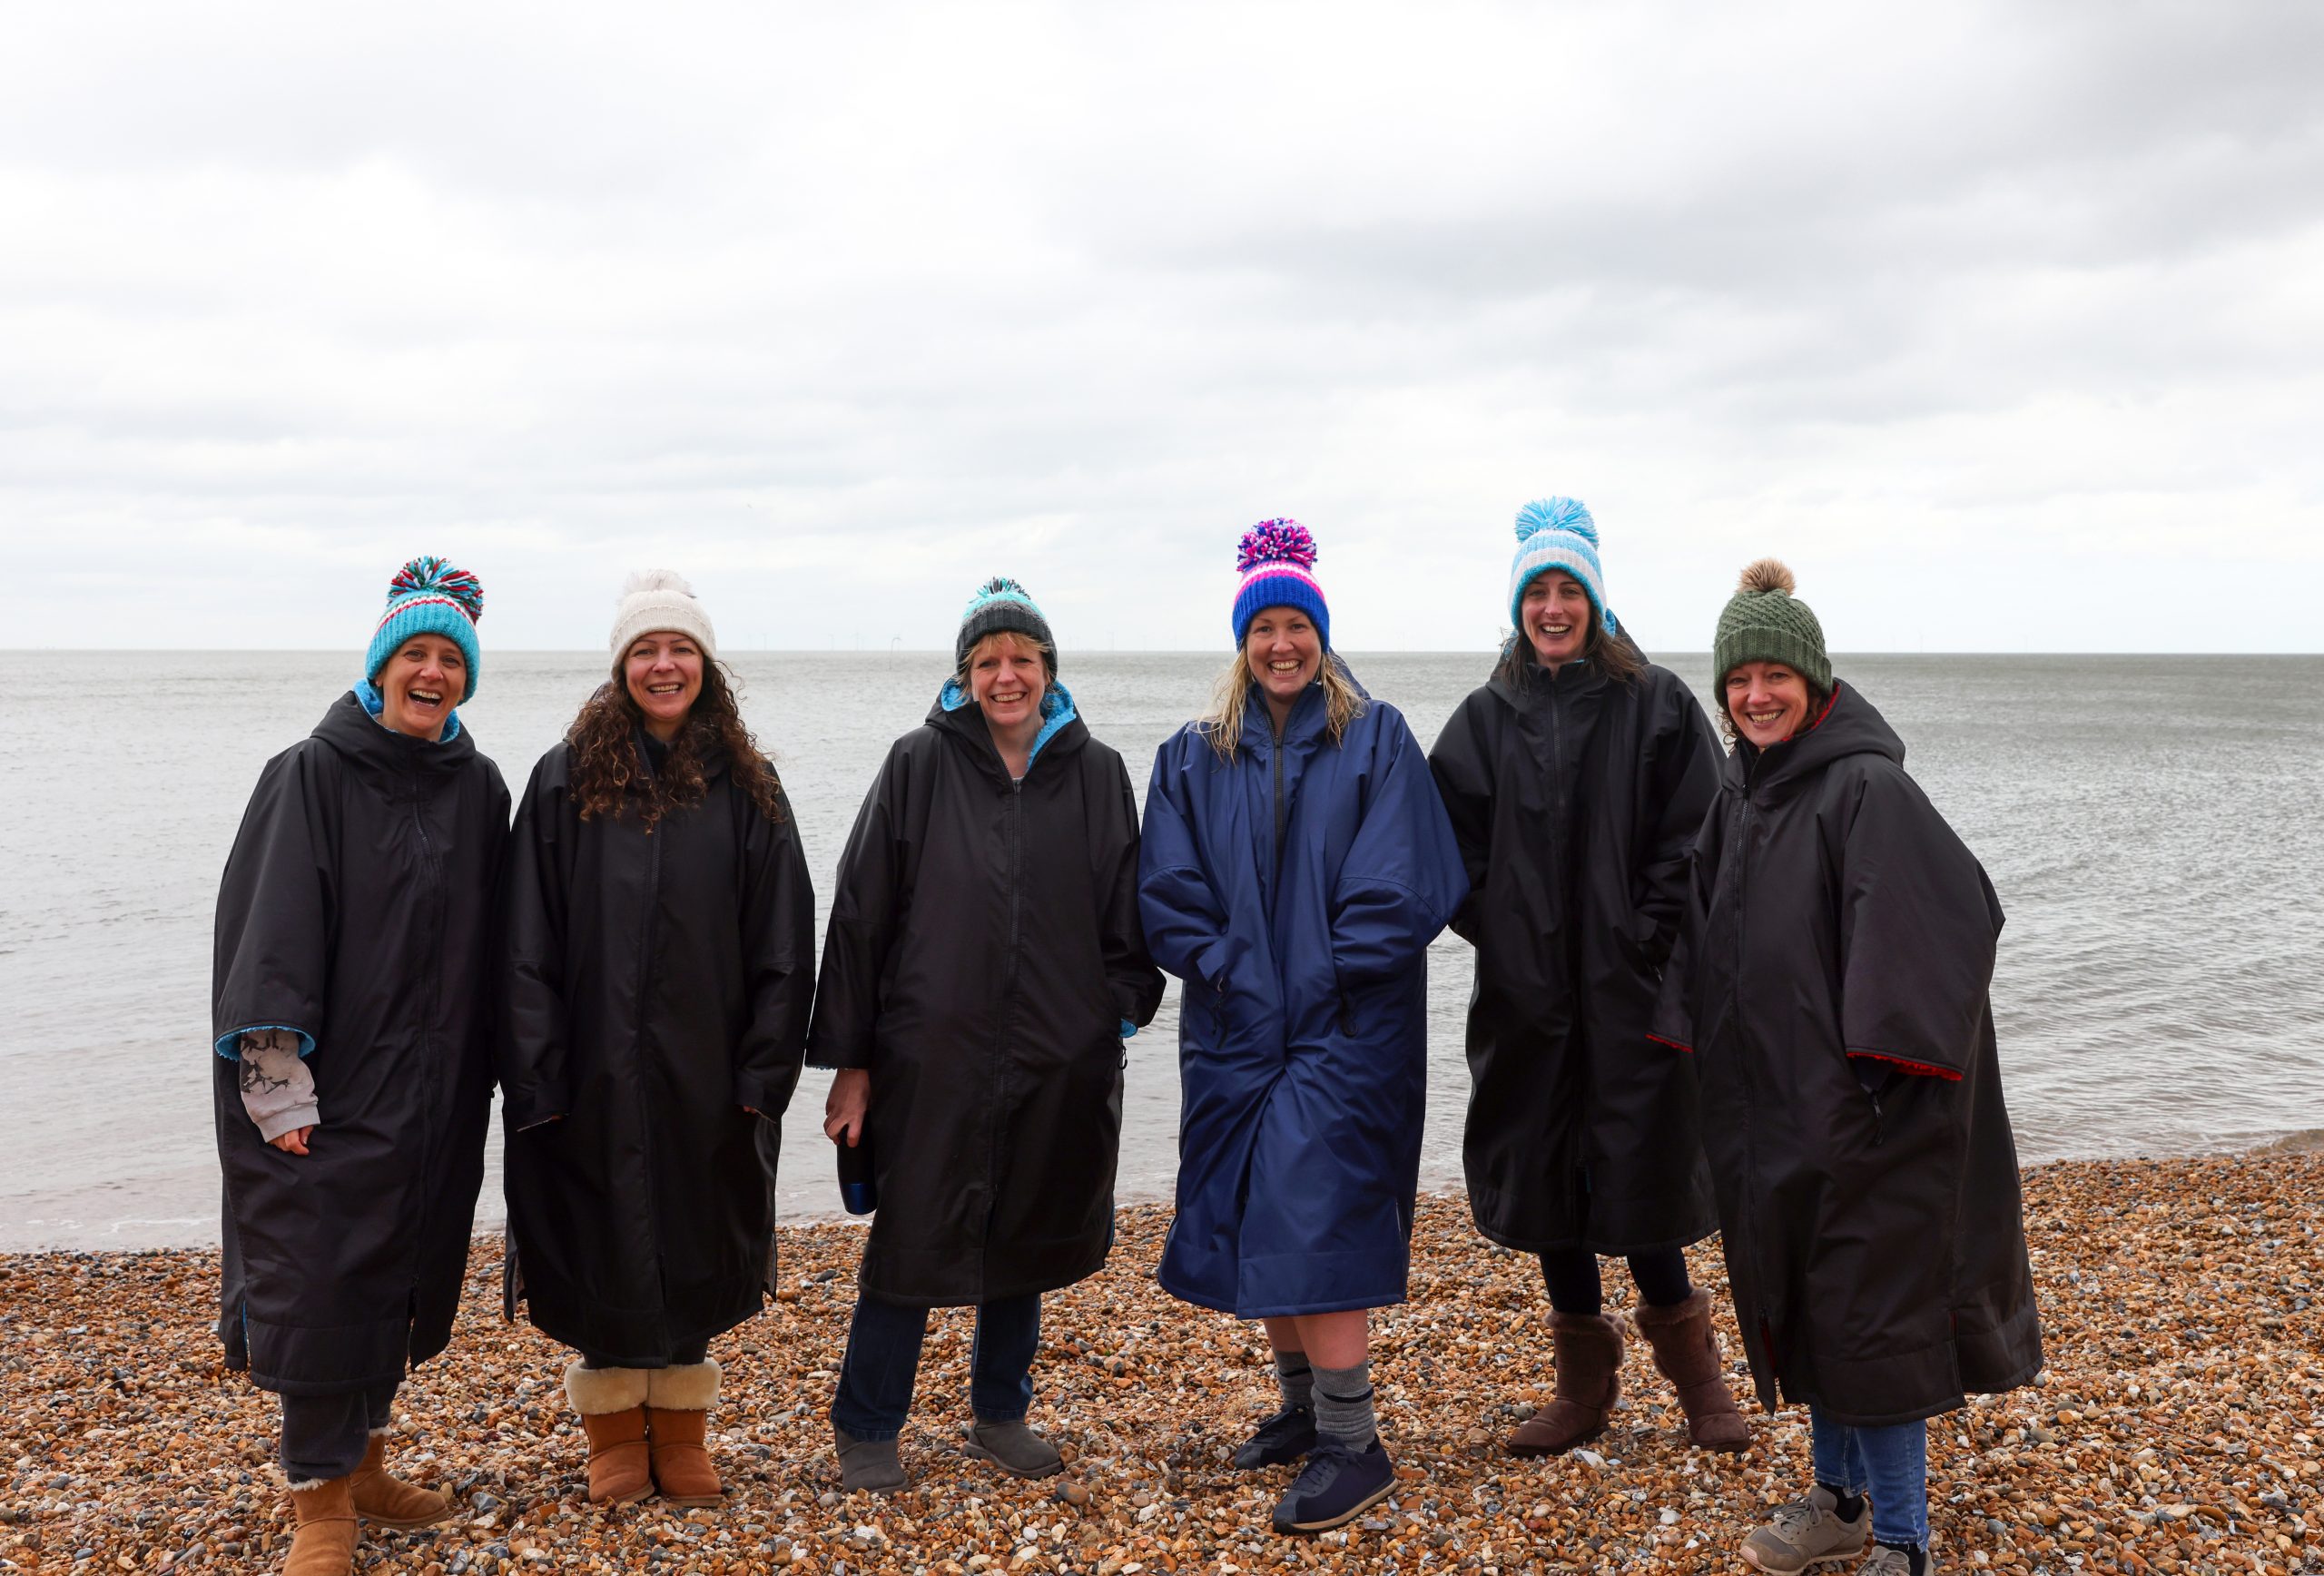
(1567, 514)
(653, 599)
(1558, 533)
(430, 597)
(431, 573)
(1761, 575)
(1276, 560)
(1281, 541)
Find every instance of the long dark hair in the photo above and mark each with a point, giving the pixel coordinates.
(608, 777)
(1616, 656)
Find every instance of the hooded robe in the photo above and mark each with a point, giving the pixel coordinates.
(1296, 889)
(984, 963)
(355, 912)
(1831, 983)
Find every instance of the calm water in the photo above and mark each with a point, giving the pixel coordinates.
(2153, 826)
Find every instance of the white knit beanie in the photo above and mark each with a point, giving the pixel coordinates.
(660, 599)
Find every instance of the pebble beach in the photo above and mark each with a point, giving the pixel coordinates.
(2179, 1427)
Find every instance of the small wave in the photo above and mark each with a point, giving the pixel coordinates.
(2308, 1141)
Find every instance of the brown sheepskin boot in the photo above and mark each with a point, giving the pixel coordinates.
(385, 1500)
(677, 1410)
(612, 1405)
(324, 1544)
(1589, 1349)
(1687, 1351)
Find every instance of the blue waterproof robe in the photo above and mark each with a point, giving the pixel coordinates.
(1296, 890)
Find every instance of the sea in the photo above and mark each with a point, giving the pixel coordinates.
(2154, 826)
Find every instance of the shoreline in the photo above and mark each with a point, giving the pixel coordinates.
(1443, 1184)
(2177, 1428)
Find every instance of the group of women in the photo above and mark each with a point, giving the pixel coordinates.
(1743, 993)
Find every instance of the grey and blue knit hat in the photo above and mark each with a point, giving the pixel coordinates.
(1002, 604)
(1558, 534)
(429, 596)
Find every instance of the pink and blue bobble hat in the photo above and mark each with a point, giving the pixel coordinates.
(1276, 560)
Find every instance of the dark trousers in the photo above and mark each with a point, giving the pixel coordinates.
(875, 1381)
(685, 1357)
(1571, 1275)
(324, 1436)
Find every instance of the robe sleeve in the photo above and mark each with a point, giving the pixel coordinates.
(1672, 1024)
(1403, 877)
(531, 1048)
(1919, 923)
(1186, 924)
(1464, 781)
(1680, 786)
(1131, 978)
(778, 956)
(868, 906)
(277, 908)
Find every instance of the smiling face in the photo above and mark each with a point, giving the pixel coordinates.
(1767, 702)
(420, 683)
(662, 671)
(1555, 615)
(1284, 651)
(1007, 679)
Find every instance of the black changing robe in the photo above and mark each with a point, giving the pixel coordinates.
(357, 910)
(1575, 800)
(1873, 1241)
(658, 991)
(984, 951)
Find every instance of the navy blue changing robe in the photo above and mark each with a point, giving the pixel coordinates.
(1295, 890)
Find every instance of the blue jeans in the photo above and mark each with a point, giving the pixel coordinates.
(883, 1360)
(325, 1436)
(1891, 1463)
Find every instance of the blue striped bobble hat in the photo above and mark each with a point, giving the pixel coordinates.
(1276, 560)
(429, 596)
(1002, 604)
(1557, 534)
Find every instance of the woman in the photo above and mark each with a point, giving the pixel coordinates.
(349, 1007)
(1831, 981)
(1295, 867)
(1576, 778)
(982, 969)
(661, 936)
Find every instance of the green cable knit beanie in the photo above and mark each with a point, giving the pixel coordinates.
(1763, 621)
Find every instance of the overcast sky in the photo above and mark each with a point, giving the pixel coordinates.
(2003, 324)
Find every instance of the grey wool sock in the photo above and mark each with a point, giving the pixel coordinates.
(1344, 1406)
(1295, 1379)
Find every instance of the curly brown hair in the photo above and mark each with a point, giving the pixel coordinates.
(609, 777)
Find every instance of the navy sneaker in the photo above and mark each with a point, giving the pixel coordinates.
(1337, 1486)
(1287, 1436)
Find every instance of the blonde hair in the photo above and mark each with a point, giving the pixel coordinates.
(1221, 724)
(1041, 648)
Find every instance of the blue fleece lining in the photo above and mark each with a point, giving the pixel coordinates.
(374, 702)
(306, 1041)
(1057, 705)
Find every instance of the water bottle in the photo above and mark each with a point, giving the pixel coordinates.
(858, 1195)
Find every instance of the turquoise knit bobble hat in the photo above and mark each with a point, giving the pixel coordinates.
(430, 597)
(1558, 534)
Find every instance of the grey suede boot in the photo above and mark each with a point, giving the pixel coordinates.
(1014, 1448)
(870, 1465)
